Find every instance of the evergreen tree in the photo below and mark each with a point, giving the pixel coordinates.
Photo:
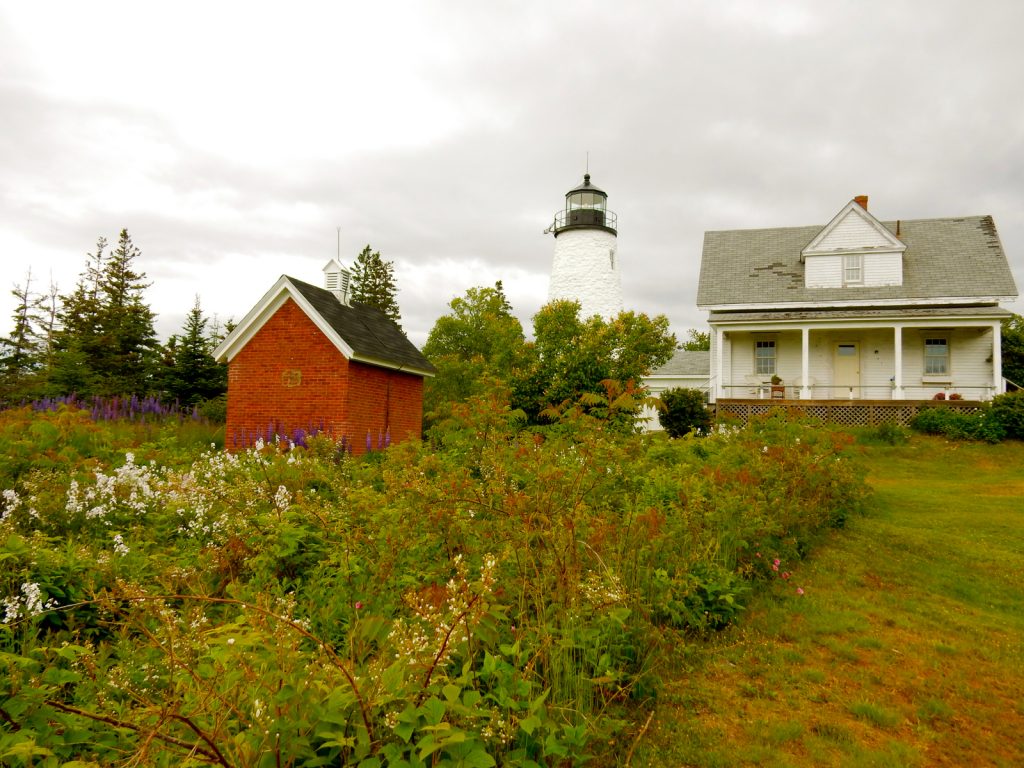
(127, 323)
(192, 375)
(19, 355)
(106, 327)
(19, 352)
(373, 283)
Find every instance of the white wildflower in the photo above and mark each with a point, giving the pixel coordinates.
(119, 546)
(11, 502)
(12, 609)
(33, 596)
(282, 498)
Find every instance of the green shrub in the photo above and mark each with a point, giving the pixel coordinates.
(886, 433)
(215, 410)
(685, 411)
(959, 424)
(1008, 413)
(490, 598)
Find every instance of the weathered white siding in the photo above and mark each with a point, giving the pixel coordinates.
(883, 269)
(586, 269)
(970, 364)
(879, 269)
(851, 232)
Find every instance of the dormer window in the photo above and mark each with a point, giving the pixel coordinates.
(853, 269)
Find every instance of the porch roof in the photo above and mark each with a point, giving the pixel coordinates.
(900, 314)
(944, 258)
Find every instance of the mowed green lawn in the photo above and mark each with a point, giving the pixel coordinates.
(906, 648)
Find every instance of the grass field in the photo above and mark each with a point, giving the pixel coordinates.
(906, 648)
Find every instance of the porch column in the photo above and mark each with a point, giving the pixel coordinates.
(718, 364)
(897, 363)
(997, 359)
(805, 363)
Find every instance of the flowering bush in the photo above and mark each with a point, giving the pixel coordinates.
(497, 595)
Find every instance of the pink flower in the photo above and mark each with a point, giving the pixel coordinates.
(799, 590)
(776, 561)
(775, 566)
(359, 605)
(757, 554)
(785, 574)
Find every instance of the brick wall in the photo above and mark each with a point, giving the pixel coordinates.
(291, 377)
(382, 402)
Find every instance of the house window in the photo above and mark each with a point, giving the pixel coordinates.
(764, 357)
(853, 270)
(936, 357)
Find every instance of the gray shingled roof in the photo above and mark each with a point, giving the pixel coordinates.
(686, 363)
(944, 258)
(988, 312)
(372, 335)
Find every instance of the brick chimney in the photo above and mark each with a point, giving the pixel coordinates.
(862, 201)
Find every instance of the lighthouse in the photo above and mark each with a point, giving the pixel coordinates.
(585, 266)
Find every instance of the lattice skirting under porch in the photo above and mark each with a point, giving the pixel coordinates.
(862, 413)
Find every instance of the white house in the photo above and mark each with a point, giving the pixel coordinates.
(856, 309)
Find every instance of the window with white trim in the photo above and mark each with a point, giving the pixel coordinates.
(936, 356)
(853, 269)
(764, 357)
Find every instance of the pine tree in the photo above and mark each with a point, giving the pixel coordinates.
(19, 352)
(127, 323)
(193, 375)
(107, 344)
(373, 283)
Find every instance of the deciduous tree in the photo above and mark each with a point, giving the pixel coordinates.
(572, 357)
(1013, 349)
(478, 342)
(697, 341)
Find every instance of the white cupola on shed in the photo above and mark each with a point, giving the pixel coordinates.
(336, 280)
(585, 266)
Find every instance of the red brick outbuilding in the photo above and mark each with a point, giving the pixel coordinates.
(306, 360)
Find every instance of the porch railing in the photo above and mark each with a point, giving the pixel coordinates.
(871, 392)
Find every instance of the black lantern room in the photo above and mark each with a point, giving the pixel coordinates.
(586, 207)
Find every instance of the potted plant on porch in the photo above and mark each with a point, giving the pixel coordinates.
(778, 390)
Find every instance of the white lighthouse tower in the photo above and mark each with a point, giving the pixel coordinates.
(585, 267)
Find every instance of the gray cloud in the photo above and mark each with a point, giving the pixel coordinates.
(695, 117)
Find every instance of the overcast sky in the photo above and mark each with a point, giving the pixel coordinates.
(232, 140)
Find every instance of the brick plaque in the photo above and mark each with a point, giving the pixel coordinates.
(291, 378)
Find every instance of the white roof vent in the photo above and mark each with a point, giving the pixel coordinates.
(336, 280)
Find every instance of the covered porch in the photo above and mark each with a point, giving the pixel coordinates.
(915, 359)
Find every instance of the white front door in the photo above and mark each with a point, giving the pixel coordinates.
(846, 370)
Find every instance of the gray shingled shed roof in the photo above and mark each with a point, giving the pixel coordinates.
(944, 258)
(371, 334)
(686, 363)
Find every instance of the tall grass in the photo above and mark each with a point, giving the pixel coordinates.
(907, 648)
